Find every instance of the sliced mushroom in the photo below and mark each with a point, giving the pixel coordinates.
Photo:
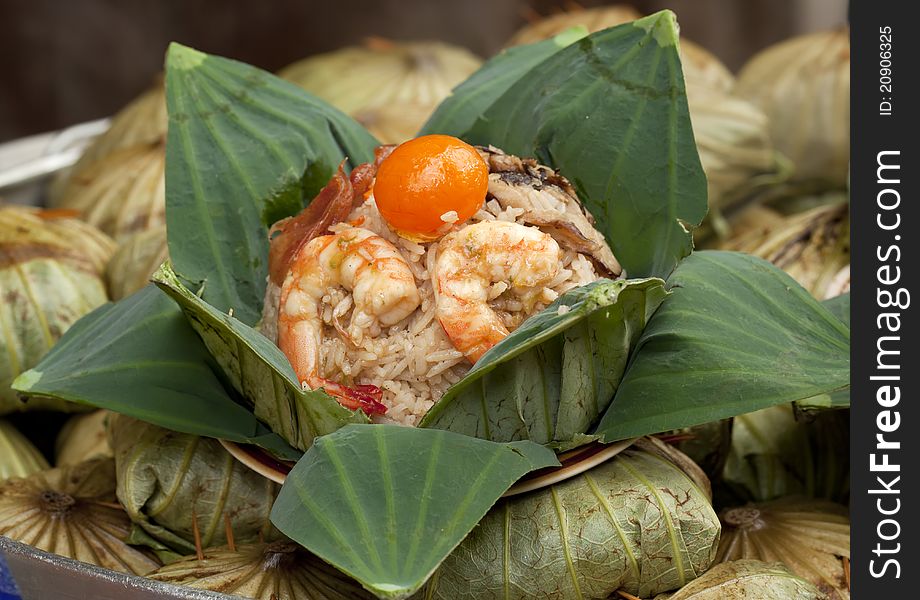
(549, 202)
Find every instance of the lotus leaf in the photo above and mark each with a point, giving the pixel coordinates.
(173, 483)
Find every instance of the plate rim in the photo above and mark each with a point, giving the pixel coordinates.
(259, 461)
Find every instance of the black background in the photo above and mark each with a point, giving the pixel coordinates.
(870, 134)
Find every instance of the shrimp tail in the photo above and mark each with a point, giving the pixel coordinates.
(365, 397)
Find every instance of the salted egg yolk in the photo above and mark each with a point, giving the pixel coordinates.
(424, 179)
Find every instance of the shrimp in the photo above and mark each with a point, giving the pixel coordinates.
(382, 288)
(470, 260)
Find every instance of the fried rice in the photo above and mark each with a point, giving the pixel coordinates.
(414, 362)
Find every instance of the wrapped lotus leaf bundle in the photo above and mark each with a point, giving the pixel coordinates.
(122, 193)
(753, 219)
(18, 457)
(737, 154)
(775, 454)
(701, 68)
(51, 269)
(141, 122)
(593, 19)
(173, 484)
(279, 570)
(389, 87)
(72, 511)
(803, 86)
(747, 580)
(810, 537)
(792, 205)
(82, 438)
(813, 247)
(707, 445)
(636, 523)
(136, 260)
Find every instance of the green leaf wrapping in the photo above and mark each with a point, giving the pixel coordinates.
(259, 371)
(551, 378)
(748, 580)
(244, 149)
(39, 300)
(840, 308)
(707, 444)
(610, 112)
(141, 358)
(51, 274)
(635, 523)
(167, 479)
(735, 335)
(385, 504)
(775, 454)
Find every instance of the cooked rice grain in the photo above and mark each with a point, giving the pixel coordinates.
(414, 362)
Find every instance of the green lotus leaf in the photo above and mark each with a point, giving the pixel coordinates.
(840, 308)
(635, 523)
(141, 358)
(172, 483)
(244, 150)
(259, 371)
(735, 335)
(551, 379)
(385, 504)
(747, 580)
(469, 100)
(610, 112)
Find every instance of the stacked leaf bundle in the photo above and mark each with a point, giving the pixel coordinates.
(390, 511)
(51, 269)
(792, 453)
(802, 225)
(51, 275)
(118, 183)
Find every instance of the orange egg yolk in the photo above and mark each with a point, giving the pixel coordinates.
(425, 180)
